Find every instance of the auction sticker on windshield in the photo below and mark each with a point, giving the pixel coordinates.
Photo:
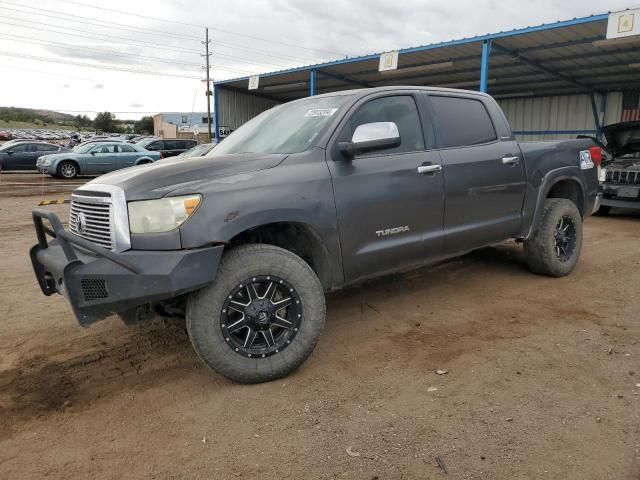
(320, 112)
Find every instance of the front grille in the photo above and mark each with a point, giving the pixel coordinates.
(92, 219)
(94, 289)
(623, 177)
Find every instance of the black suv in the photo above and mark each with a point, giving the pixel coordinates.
(168, 147)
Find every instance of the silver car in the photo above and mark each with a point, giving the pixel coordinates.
(95, 159)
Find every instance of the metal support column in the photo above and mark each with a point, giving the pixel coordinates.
(596, 115)
(312, 82)
(603, 111)
(216, 124)
(484, 66)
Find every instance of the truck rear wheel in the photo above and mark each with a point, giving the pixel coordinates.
(261, 318)
(555, 246)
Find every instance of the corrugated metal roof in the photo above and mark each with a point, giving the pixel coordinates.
(521, 61)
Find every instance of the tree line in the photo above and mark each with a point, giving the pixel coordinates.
(104, 121)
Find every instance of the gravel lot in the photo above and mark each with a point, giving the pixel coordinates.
(542, 378)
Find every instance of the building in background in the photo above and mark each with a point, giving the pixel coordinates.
(170, 124)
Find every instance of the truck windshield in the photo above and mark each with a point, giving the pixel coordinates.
(288, 128)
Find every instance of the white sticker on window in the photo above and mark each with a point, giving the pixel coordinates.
(585, 160)
(320, 112)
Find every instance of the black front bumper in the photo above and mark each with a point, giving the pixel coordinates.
(620, 196)
(98, 282)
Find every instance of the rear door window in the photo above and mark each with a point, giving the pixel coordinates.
(461, 121)
(127, 148)
(174, 145)
(47, 148)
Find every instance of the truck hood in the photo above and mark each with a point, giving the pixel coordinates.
(164, 176)
(622, 138)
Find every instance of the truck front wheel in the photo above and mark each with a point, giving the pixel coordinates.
(555, 246)
(261, 318)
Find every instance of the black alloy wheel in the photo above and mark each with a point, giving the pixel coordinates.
(565, 238)
(261, 316)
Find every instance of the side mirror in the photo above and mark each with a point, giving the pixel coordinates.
(371, 136)
(93, 152)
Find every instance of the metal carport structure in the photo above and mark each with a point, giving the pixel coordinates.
(552, 80)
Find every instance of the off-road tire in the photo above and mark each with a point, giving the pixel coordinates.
(204, 310)
(64, 167)
(540, 248)
(603, 211)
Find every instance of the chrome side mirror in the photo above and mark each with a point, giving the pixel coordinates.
(370, 137)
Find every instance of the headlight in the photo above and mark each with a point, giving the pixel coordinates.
(46, 162)
(602, 174)
(162, 215)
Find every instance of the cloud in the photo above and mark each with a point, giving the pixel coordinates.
(98, 86)
(330, 28)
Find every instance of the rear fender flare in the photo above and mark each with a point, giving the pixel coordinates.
(548, 181)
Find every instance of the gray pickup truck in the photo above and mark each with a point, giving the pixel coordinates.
(309, 197)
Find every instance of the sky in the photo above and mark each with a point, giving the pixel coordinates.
(86, 56)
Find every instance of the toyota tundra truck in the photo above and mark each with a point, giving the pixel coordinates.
(306, 198)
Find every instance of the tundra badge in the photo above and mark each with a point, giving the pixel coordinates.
(392, 231)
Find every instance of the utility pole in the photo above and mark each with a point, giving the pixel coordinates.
(207, 55)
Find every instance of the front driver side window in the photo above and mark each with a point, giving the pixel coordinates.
(402, 111)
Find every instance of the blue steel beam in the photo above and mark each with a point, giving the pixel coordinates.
(312, 82)
(484, 65)
(216, 119)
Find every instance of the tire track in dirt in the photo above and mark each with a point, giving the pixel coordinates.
(94, 369)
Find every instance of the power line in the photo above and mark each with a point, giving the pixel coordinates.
(164, 34)
(199, 26)
(136, 43)
(132, 14)
(41, 72)
(91, 65)
(229, 69)
(267, 53)
(79, 47)
(84, 20)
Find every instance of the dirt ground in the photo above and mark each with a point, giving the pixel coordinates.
(542, 377)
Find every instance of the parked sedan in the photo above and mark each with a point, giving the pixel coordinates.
(168, 147)
(22, 155)
(197, 151)
(95, 159)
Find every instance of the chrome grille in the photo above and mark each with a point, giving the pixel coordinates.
(623, 177)
(91, 218)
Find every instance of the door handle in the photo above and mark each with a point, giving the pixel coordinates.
(429, 168)
(510, 160)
